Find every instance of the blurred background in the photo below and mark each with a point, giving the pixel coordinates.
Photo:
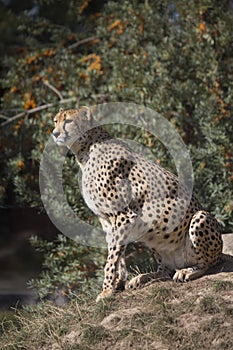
(175, 57)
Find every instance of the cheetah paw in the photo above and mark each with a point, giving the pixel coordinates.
(134, 283)
(104, 294)
(141, 280)
(183, 275)
(190, 273)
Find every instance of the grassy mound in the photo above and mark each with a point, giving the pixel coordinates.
(164, 315)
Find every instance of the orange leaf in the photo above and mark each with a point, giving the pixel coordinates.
(83, 6)
(29, 104)
(120, 30)
(20, 164)
(96, 64)
(94, 41)
(13, 89)
(84, 76)
(201, 27)
(115, 24)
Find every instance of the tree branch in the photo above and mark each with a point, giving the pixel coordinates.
(34, 110)
(83, 41)
(51, 87)
(3, 117)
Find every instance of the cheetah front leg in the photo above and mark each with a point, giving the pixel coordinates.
(112, 274)
(118, 230)
(121, 272)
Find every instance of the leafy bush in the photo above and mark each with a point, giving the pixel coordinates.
(174, 57)
(67, 268)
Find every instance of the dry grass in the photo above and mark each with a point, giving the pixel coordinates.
(163, 316)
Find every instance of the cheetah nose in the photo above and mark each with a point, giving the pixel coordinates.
(56, 134)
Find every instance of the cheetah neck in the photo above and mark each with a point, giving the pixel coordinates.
(81, 147)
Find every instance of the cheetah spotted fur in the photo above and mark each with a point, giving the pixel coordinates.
(136, 199)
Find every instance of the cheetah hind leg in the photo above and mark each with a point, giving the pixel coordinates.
(204, 251)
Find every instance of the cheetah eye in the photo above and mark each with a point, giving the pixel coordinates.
(55, 121)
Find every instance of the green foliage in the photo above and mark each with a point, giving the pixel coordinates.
(67, 268)
(223, 285)
(175, 58)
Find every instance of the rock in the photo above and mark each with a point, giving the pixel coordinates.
(116, 320)
(228, 243)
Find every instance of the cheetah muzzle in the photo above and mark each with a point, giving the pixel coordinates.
(136, 199)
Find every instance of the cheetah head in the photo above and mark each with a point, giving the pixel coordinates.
(70, 125)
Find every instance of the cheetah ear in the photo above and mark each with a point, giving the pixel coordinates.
(85, 113)
(61, 110)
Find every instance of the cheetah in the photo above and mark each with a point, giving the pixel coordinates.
(137, 200)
